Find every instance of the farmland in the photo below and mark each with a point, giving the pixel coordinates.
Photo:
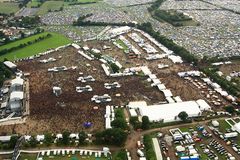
(33, 4)
(50, 6)
(8, 7)
(54, 41)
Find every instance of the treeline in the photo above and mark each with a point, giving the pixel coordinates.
(218, 59)
(119, 121)
(25, 22)
(226, 85)
(115, 136)
(80, 3)
(10, 145)
(81, 22)
(181, 51)
(22, 45)
(155, 5)
(5, 73)
(23, 3)
(121, 155)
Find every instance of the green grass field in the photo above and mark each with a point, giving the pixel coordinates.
(33, 4)
(54, 41)
(50, 5)
(121, 43)
(8, 7)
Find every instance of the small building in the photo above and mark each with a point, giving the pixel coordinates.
(10, 65)
(57, 91)
(215, 123)
(5, 139)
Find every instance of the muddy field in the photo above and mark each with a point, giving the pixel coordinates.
(228, 68)
(71, 109)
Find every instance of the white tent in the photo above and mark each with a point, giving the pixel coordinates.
(133, 112)
(16, 96)
(158, 112)
(9, 64)
(203, 105)
(236, 127)
(17, 81)
(167, 93)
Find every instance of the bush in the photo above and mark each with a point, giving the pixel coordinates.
(147, 141)
(145, 123)
(121, 155)
(115, 136)
(114, 67)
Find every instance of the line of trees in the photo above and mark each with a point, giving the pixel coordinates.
(22, 45)
(115, 136)
(26, 22)
(81, 22)
(119, 121)
(5, 73)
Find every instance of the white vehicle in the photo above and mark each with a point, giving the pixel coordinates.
(87, 88)
(101, 99)
(140, 153)
(86, 79)
(112, 85)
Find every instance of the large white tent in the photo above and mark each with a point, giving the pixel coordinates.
(167, 112)
(236, 127)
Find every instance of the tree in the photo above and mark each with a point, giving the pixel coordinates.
(136, 124)
(114, 67)
(115, 136)
(145, 122)
(48, 139)
(121, 155)
(229, 109)
(33, 142)
(119, 123)
(183, 116)
(65, 139)
(12, 142)
(82, 137)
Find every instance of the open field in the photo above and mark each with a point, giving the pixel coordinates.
(33, 4)
(54, 41)
(8, 7)
(50, 6)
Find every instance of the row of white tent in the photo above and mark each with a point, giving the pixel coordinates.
(109, 116)
(218, 89)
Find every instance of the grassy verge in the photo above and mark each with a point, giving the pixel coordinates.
(54, 41)
(149, 148)
(8, 7)
(50, 6)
